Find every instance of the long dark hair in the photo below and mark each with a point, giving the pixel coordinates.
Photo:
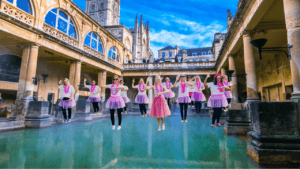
(216, 82)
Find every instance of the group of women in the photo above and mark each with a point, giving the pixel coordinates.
(188, 91)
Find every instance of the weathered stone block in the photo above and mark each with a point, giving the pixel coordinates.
(275, 136)
(83, 110)
(237, 122)
(38, 114)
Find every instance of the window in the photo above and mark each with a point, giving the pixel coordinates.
(181, 55)
(194, 54)
(170, 54)
(92, 8)
(200, 60)
(61, 21)
(210, 53)
(113, 54)
(163, 55)
(194, 61)
(93, 41)
(101, 6)
(207, 59)
(22, 4)
(203, 53)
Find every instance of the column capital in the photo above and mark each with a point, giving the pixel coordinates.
(248, 33)
(231, 56)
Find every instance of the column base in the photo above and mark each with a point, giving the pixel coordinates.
(38, 121)
(237, 122)
(295, 95)
(237, 129)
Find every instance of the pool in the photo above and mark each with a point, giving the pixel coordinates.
(137, 145)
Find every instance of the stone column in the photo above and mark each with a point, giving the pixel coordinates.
(101, 82)
(223, 71)
(26, 86)
(150, 92)
(252, 91)
(74, 77)
(292, 19)
(234, 89)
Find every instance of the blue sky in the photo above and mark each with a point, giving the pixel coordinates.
(186, 23)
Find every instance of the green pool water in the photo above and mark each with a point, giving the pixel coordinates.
(137, 145)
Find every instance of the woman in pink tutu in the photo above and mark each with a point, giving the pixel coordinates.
(141, 97)
(94, 95)
(227, 92)
(217, 99)
(124, 95)
(159, 108)
(67, 101)
(115, 101)
(169, 86)
(183, 96)
(191, 91)
(198, 97)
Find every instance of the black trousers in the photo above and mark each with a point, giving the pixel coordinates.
(112, 116)
(168, 100)
(216, 115)
(192, 102)
(143, 109)
(65, 113)
(96, 106)
(183, 110)
(228, 100)
(198, 106)
(125, 108)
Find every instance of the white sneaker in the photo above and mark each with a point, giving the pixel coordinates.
(163, 127)
(159, 128)
(69, 121)
(113, 127)
(65, 120)
(119, 128)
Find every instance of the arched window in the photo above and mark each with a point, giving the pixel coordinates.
(61, 21)
(22, 4)
(113, 54)
(93, 41)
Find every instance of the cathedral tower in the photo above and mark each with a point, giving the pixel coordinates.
(105, 12)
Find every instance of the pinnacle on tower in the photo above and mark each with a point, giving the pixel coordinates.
(136, 19)
(141, 23)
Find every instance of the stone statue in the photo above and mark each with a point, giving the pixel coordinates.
(229, 19)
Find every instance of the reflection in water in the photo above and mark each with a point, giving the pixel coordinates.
(94, 145)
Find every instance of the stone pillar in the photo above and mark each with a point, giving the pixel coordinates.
(223, 71)
(26, 86)
(252, 91)
(101, 82)
(234, 89)
(74, 77)
(150, 92)
(292, 19)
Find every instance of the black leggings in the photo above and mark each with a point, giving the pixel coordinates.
(125, 108)
(228, 100)
(143, 108)
(168, 100)
(65, 113)
(192, 102)
(216, 115)
(112, 116)
(198, 106)
(96, 106)
(183, 112)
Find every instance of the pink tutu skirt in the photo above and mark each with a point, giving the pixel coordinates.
(115, 102)
(217, 101)
(184, 99)
(142, 99)
(159, 108)
(228, 94)
(126, 99)
(67, 104)
(198, 97)
(94, 99)
(170, 94)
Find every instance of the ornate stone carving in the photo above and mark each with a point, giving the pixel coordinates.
(229, 19)
(93, 52)
(195, 65)
(17, 13)
(60, 35)
(114, 62)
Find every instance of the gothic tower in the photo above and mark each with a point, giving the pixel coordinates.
(105, 12)
(135, 37)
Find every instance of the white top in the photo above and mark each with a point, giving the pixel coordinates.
(141, 93)
(214, 89)
(114, 90)
(229, 84)
(186, 93)
(62, 91)
(97, 89)
(195, 87)
(124, 93)
(165, 84)
(191, 88)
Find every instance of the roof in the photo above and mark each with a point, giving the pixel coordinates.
(196, 50)
(168, 48)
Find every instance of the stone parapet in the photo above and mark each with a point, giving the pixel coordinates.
(237, 122)
(275, 136)
(38, 115)
(83, 111)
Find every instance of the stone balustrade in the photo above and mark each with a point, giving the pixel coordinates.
(113, 62)
(60, 35)
(17, 13)
(175, 65)
(93, 52)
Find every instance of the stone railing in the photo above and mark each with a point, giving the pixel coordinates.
(111, 61)
(177, 66)
(17, 13)
(93, 52)
(60, 35)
